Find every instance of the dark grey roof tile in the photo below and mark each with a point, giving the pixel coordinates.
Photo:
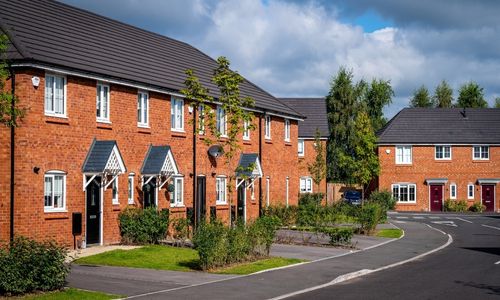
(314, 109)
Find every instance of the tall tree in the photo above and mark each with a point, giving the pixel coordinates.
(378, 95)
(497, 102)
(342, 103)
(471, 95)
(10, 113)
(317, 169)
(421, 98)
(443, 96)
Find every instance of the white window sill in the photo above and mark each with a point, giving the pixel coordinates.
(404, 164)
(177, 130)
(246, 139)
(176, 205)
(481, 159)
(103, 121)
(268, 138)
(406, 202)
(443, 158)
(115, 203)
(55, 210)
(143, 125)
(287, 140)
(48, 114)
(220, 203)
(301, 155)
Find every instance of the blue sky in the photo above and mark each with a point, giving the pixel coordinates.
(293, 48)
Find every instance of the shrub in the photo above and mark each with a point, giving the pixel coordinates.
(309, 214)
(27, 265)
(311, 198)
(286, 215)
(143, 226)
(261, 234)
(384, 198)
(239, 245)
(455, 206)
(477, 207)
(181, 228)
(369, 215)
(210, 240)
(461, 206)
(338, 235)
(449, 205)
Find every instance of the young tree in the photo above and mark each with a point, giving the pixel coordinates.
(10, 113)
(317, 169)
(378, 94)
(497, 102)
(421, 98)
(471, 95)
(443, 96)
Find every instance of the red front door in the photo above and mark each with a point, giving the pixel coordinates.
(436, 197)
(488, 197)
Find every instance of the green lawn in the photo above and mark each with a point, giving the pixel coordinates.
(393, 233)
(175, 259)
(70, 294)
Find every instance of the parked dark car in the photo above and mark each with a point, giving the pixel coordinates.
(352, 197)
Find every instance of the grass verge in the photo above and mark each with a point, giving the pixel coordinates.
(393, 233)
(69, 294)
(260, 265)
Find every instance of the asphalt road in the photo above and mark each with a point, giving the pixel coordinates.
(469, 268)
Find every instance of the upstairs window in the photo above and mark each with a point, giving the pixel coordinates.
(481, 152)
(404, 192)
(102, 102)
(221, 121)
(403, 155)
(55, 191)
(443, 152)
(287, 130)
(55, 95)
(177, 114)
(220, 190)
(267, 127)
(301, 149)
(178, 195)
(142, 109)
(201, 118)
(246, 130)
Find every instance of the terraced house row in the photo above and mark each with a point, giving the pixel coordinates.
(107, 127)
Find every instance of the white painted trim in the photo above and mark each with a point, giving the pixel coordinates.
(101, 214)
(403, 148)
(451, 190)
(480, 152)
(266, 127)
(303, 147)
(65, 97)
(425, 144)
(306, 178)
(288, 128)
(287, 187)
(444, 158)
(100, 119)
(494, 195)
(473, 191)
(140, 123)
(217, 202)
(48, 209)
(408, 184)
(130, 198)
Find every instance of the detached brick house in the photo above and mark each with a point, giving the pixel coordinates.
(430, 155)
(314, 109)
(107, 127)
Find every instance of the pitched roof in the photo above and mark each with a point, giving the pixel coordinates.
(442, 126)
(56, 34)
(314, 109)
(249, 161)
(99, 156)
(158, 160)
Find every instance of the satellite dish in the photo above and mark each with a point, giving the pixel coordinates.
(215, 151)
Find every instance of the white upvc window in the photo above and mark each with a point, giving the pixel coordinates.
(55, 95)
(268, 189)
(114, 189)
(221, 121)
(142, 109)
(54, 191)
(178, 195)
(287, 130)
(443, 152)
(201, 120)
(404, 192)
(453, 191)
(267, 127)
(403, 155)
(306, 185)
(220, 190)
(481, 152)
(246, 130)
(102, 102)
(177, 114)
(131, 189)
(470, 191)
(301, 148)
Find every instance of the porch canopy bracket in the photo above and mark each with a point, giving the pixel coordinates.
(159, 163)
(103, 159)
(248, 169)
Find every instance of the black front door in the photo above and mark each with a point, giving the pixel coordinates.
(241, 202)
(93, 211)
(149, 193)
(201, 198)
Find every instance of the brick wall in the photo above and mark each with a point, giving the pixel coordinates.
(51, 143)
(309, 158)
(460, 170)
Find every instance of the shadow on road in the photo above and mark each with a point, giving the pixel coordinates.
(490, 250)
(494, 289)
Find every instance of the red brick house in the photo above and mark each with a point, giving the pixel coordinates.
(107, 128)
(314, 109)
(428, 155)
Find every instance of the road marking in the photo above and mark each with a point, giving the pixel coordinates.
(434, 217)
(363, 272)
(401, 217)
(439, 230)
(418, 218)
(447, 223)
(497, 263)
(400, 222)
(464, 220)
(493, 227)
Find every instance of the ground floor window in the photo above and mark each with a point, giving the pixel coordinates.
(470, 191)
(220, 190)
(306, 185)
(55, 191)
(131, 189)
(178, 196)
(453, 191)
(404, 192)
(114, 188)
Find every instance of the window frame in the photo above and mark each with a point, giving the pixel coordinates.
(53, 113)
(453, 191)
(443, 152)
(221, 120)
(403, 162)
(140, 109)
(267, 127)
(306, 180)
(174, 111)
(115, 198)
(52, 174)
(130, 191)
(218, 192)
(469, 190)
(175, 201)
(201, 120)
(408, 188)
(299, 142)
(480, 152)
(246, 130)
(287, 130)
(100, 118)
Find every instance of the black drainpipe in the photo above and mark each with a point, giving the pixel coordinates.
(12, 148)
(260, 157)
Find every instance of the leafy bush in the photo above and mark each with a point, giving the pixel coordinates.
(286, 215)
(27, 265)
(338, 235)
(211, 240)
(181, 228)
(384, 198)
(143, 226)
(461, 206)
(455, 206)
(310, 214)
(239, 245)
(261, 234)
(449, 205)
(311, 199)
(369, 215)
(477, 207)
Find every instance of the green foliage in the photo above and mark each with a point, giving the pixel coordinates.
(71, 293)
(287, 215)
(477, 207)
(443, 96)
(181, 228)
(421, 98)
(455, 206)
(392, 233)
(471, 95)
(378, 95)
(369, 215)
(384, 198)
(239, 245)
(338, 235)
(143, 226)
(311, 198)
(27, 265)
(261, 234)
(365, 163)
(317, 169)
(497, 102)
(210, 240)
